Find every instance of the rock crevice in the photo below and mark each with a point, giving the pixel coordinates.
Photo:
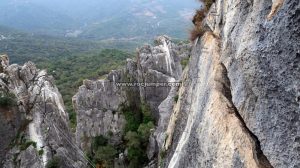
(252, 105)
(226, 91)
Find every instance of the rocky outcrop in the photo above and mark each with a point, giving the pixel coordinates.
(146, 80)
(98, 107)
(159, 64)
(214, 134)
(239, 105)
(37, 122)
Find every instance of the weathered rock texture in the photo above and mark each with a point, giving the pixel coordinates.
(159, 64)
(37, 117)
(239, 104)
(99, 103)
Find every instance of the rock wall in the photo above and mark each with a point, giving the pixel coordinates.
(98, 108)
(239, 106)
(99, 103)
(159, 64)
(37, 123)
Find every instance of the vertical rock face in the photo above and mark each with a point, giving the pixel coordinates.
(39, 122)
(159, 64)
(99, 103)
(214, 135)
(10, 122)
(238, 105)
(240, 101)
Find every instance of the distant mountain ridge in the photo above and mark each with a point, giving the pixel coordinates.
(33, 17)
(99, 19)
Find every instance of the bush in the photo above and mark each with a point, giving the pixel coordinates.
(146, 111)
(199, 17)
(41, 152)
(134, 163)
(106, 153)
(134, 154)
(72, 118)
(101, 152)
(110, 133)
(196, 32)
(7, 99)
(25, 145)
(53, 163)
(207, 3)
(184, 62)
(162, 154)
(176, 98)
(99, 141)
(144, 131)
(132, 139)
(137, 144)
(132, 120)
(138, 129)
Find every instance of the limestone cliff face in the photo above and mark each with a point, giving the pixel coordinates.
(99, 103)
(239, 104)
(37, 125)
(161, 63)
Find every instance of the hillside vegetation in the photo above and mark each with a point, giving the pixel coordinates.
(22, 47)
(69, 72)
(70, 61)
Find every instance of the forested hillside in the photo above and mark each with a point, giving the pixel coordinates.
(22, 47)
(71, 71)
(68, 60)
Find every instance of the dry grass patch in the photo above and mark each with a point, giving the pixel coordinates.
(198, 18)
(196, 32)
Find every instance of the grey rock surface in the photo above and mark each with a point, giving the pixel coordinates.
(238, 105)
(10, 123)
(38, 119)
(99, 103)
(160, 64)
(257, 44)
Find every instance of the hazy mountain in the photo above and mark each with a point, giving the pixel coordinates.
(33, 17)
(99, 19)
